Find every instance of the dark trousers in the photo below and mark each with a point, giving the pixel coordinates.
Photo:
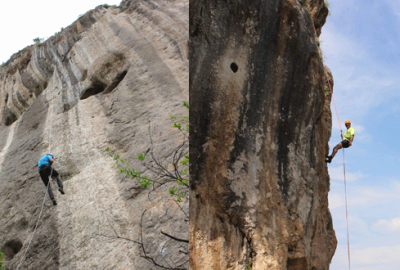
(45, 173)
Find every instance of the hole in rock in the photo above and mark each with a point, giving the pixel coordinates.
(234, 67)
(9, 117)
(11, 248)
(116, 81)
(96, 88)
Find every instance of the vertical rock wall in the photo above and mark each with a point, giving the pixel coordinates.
(97, 83)
(260, 125)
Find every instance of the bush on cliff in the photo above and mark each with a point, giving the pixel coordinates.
(175, 172)
(1, 259)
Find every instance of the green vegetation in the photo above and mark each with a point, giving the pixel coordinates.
(175, 172)
(183, 120)
(249, 265)
(1, 259)
(144, 181)
(326, 89)
(38, 41)
(171, 170)
(319, 42)
(125, 8)
(107, 6)
(327, 6)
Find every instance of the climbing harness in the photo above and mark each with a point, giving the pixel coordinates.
(45, 193)
(344, 161)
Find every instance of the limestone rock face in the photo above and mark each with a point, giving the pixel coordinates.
(95, 84)
(260, 125)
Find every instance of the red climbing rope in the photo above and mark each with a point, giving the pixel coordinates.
(347, 216)
(344, 161)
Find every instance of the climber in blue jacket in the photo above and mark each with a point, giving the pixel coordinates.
(46, 170)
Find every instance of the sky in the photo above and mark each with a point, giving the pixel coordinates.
(22, 21)
(360, 43)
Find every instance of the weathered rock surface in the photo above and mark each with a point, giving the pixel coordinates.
(260, 125)
(95, 84)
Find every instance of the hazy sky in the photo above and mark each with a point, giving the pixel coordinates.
(22, 21)
(360, 42)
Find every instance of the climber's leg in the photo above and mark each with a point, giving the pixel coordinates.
(44, 175)
(57, 177)
(335, 150)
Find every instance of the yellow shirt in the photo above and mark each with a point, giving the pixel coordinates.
(348, 133)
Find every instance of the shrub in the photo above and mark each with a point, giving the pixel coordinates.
(1, 259)
(38, 41)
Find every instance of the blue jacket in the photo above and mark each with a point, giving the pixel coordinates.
(45, 161)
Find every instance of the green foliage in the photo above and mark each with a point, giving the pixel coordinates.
(125, 8)
(178, 172)
(180, 194)
(326, 89)
(327, 6)
(106, 5)
(144, 181)
(38, 41)
(185, 161)
(1, 259)
(141, 157)
(183, 120)
(249, 265)
(319, 42)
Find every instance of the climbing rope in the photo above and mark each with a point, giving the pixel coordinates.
(45, 193)
(44, 199)
(347, 216)
(344, 161)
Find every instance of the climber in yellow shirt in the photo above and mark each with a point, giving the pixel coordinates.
(347, 140)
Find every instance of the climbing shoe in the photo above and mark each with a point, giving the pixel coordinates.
(61, 190)
(54, 202)
(328, 159)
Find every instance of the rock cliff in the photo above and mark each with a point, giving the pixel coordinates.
(95, 84)
(260, 125)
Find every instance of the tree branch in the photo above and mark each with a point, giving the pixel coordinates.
(175, 238)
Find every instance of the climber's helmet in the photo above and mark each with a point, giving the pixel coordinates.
(50, 154)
